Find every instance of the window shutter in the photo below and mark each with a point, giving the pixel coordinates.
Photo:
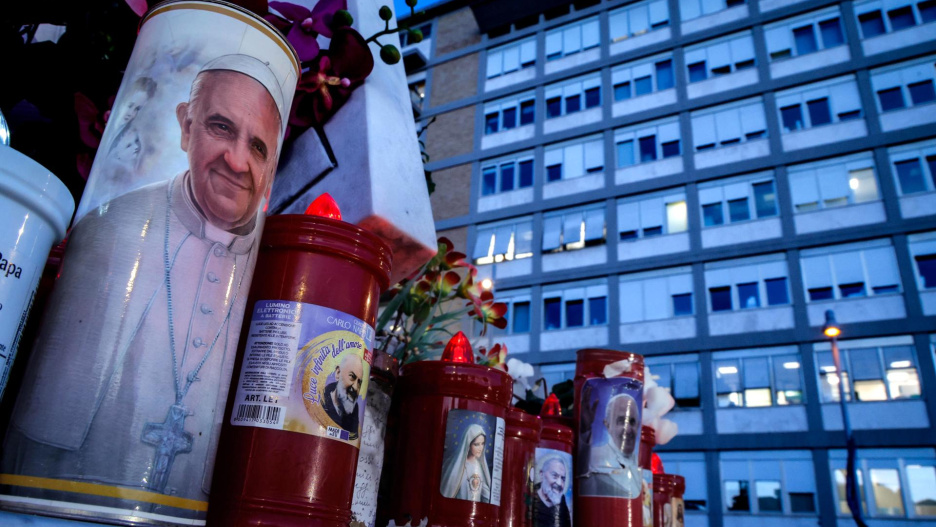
(523, 238)
(594, 224)
(668, 132)
(639, 19)
(620, 75)
(778, 39)
(553, 43)
(572, 39)
(718, 55)
(573, 163)
(591, 82)
(642, 70)
(833, 182)
(511, 59)
(687, 380)
(816, 272)
(689, 9)
(553, 92)
(737, 190)
(882, 266)
(803, 187)
(572, 227)
(483, 243)
(631, 301)
(651, 213)
(756, 373)
(799, 476)
(703, 129)
(494, 60)
(528, 51)
(594, 154)
(552, 228)
(502, 239)
(680, 284)
(553, 157)
(628, 216)
(618, 25)
(656, 299)
(695, 55)
(710, 195)
(590, 34)
(845, 97)
(752, 118)
(742, 49)
(728, 125)
(659, 13)
(848, 268)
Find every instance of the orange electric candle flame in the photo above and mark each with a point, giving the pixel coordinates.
(551, 406)
(458, 350)
(324, 206)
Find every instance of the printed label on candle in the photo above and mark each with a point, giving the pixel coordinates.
(473, 458)
(647, 493)
(552, 488)
(676, 513)
(371, 457)
(306, 370)
(609, 438)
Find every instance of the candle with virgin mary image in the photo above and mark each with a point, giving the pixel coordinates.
(473, 457)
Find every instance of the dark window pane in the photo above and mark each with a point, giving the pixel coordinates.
(575, 313)
(820, 293)
(705, 147)
(670, 149)
(573, 103)
(872, 24)
(777, 294)
(931, 163)
(901, 18)
(765, 199)
(628, 235)
(884, 289)
(625, 153)
(643, 85)
(622, 91)
(426, 31)
(489, 181)
(802, 502)
(758, 134)
(733, 3)
(526, 173)
(852, 290)
(527, 112)
(507, 177)
(744, 64)
(552, 313)
(792, 117)
(738, 210)
(831, 31)
(712, 214)
(664, 74)
(910, 174)
(927, 11)
(490, 123)
(553, 107)
(922, 92)
(592, 97)
(819, 112)
(510, 118)
(521, 317)
(748, 296)
(736, 496)
(891, 99)
(805, 40)
(722, 70)
(682, 304)
(721, 298)
(926, 265)
(652, 231)
(554, 173)
(768, 496)
(781, 54)
(648, 149)
(597, 311)
(848, 116)
(697, 72)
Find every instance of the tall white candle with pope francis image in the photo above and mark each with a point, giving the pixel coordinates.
(123, 396)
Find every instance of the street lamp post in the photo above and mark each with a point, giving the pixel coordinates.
(832, 330)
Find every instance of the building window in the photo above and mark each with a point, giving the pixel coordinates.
(729, 125)
(503, 242)
(575, 229)
(747, 284)
(804, 35)
(647, 217)
(874, 374)
(876, 18)
(517, 315)
(745, 200)
(649, 76)
(758, 381)
(721, 57)
(657, 295)
(690, 9)
(572, 96)
(572, 38)
(575, 307)
(841, 271)
(681, 380)
(511, 57)
(904, 85)
(923, 251)
(833, 183)
(521, 317)
(897, 477)
(637, 19)
(574, 159)
(914, 166)
(506, 175)
(502, 115)
(825, 102)
(647, 143)
(764, 482)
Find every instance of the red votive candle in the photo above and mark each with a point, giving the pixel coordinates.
(291, 432)
(608, 408)
(523, 433)
(552, 487)
(667, 500)
(647, 442)
(447, 452)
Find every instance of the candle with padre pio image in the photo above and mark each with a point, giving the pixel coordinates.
(447, 452)
(608, 406)
(552, 503)
(292, 427)
(121, 403)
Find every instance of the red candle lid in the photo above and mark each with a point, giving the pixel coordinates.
(523, 425)
(324, 206)
(555, 429)
(656, 464)
(551, 406)
(458, 350)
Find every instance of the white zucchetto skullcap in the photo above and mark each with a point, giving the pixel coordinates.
(255, 69)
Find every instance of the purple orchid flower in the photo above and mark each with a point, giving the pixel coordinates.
(306, 25)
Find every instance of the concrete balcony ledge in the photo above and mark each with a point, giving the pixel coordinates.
(743, 232)
(509, 79)
(657, 330)
(840, 217)
(908, 117)
(573, 60)
(877, 415)
(651, 170)
(715, 19)
(572, 120)
(723, 83)
(898, 39)
(823, 135)
(732, 153)
(811, 61)
(653, 246)
(751, 320)
(564, 339)
(866, 309)
(790, 418)
(916, 205)
(644, 102)
(639, 41)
